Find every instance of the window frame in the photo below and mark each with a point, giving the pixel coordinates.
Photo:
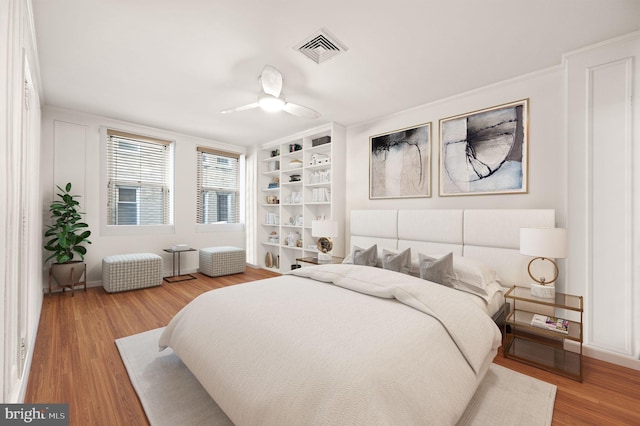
(224, 227)
(105, 227)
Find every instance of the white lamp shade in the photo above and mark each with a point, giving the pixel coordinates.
(544, 242)
(324, 228)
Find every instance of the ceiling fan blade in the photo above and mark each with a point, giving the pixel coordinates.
(300, 111)
(240, 108)
(271, 80)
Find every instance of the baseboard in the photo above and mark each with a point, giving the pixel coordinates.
(602, 355)
(27, 364)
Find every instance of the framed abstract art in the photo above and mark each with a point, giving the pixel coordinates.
(399, 163)
(485, 152)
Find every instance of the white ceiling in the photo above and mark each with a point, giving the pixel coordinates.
(174, 64)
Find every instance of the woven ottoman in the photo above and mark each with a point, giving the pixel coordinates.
(123, 272)
(217, 261)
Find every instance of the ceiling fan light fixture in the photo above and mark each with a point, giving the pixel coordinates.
(271, 103)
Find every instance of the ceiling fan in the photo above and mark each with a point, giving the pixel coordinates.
(271, 98)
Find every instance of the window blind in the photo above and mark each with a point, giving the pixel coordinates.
(218, 186)
(138, 172)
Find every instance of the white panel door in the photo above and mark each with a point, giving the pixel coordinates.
(603, 123)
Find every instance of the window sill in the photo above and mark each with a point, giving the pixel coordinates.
(138, 229)
(219, 227)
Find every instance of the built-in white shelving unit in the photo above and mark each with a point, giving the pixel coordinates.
(300, 179)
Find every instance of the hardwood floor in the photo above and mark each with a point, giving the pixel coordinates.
(76, 360)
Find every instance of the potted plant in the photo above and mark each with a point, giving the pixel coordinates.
(68, 236)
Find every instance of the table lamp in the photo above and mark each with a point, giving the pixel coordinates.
(545, 244)
(325, 230)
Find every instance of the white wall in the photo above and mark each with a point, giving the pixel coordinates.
(584, 118)
(78, 134)
(20, 214)
(547, 149)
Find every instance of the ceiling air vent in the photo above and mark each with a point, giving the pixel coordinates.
(321, 46)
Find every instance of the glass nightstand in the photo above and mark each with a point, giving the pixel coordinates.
(538, 346)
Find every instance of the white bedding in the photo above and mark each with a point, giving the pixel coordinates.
(336, 344)
(491, 306)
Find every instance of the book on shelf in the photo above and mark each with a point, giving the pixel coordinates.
(550, 323)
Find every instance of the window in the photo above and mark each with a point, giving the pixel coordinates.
(138, 180)
(218, 186)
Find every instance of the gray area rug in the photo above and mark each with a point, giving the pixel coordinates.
(171, 395)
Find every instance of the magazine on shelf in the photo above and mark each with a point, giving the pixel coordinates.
(550, 323)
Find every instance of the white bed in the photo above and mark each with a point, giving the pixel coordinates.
(351, 344)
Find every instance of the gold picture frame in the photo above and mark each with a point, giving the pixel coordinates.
(400, 163)
(485, 151)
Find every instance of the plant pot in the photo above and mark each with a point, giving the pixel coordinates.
(68, 274)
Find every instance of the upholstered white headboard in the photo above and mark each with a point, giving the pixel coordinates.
(492, 236)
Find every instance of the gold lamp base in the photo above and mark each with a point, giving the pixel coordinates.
(543, 287)
(325, 245)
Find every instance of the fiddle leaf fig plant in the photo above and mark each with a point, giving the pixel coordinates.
(68, 233)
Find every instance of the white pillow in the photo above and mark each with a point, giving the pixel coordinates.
(492, 288)
(471, 275)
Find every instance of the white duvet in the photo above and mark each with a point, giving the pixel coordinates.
(336, 345)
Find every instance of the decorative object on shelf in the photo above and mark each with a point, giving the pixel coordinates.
(295, 164)
(298, 220)
(485, 152)
(274, 238)
(275, 153)
(68, 237)
(544, 244)
(293, 147)
(294, 198)
(321, 195)
(325, 230)
(558, 325)
(272, 199)
(277, 265)
(399, 163)
(295, 178)
(274, 165)
(292, 239)
(320, 141)
(319, 159)
(268, 260)
(271, 218)
(320, 176)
